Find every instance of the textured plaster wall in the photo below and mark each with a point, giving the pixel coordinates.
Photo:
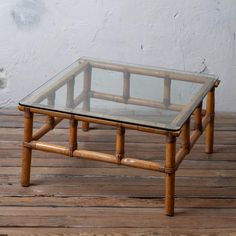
(40, 37)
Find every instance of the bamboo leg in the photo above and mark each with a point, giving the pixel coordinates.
(210, 109)
(70, 93)
(87, 88)
(120, 143)
(166, 98)
(126, 86)
(170, 175)
(26, 158)
(51, 99)
(185, 136)
(51, 102)
(185, 144)
(198, 117)
(73, 136)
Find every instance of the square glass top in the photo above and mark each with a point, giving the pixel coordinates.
(133, 94)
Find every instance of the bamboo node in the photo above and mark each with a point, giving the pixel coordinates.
(119, 157)
(73, 122)
(27, 113)
(217, 82)
(72, 148)
(162, 169)
(212, 116)
(170, 170)
(203, 112)
(90, 93)
(120, 130)
(166, 102)
(185, 146)
(170, 138)
(26, 144)
(72, 117)
(199, 127)
(51, 122)
(126, 72)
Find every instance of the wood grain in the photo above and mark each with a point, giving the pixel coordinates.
(70, 196)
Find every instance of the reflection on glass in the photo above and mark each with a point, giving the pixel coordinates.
(126, 93)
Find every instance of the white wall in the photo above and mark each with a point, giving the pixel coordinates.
(40, 37)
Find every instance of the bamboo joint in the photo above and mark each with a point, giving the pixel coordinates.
(120, 143)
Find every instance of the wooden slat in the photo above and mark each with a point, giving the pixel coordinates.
(114, 217)
(96, 201)
(75, 180)
(73, 196)
(120, 231)
(103, 171)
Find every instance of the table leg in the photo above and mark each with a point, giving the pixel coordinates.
(73, 136)
(87, 88)
(70, 93)
(210, 109)
(167, 92)
(26, 158)
(170, 175)
(120, 143)
(51, 99)
(198, 118)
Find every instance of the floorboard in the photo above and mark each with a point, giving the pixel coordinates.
(70, 196)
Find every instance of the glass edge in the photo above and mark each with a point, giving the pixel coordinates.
(167, 128)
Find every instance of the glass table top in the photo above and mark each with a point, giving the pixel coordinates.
(134, 94)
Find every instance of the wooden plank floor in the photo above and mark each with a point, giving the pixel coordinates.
(79, 197)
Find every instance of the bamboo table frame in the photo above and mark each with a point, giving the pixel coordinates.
(203, 120)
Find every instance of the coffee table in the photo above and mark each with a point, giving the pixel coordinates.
(143, 98)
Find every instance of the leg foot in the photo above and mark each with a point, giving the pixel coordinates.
(170, 175)
(170, 192)
(26, 165)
